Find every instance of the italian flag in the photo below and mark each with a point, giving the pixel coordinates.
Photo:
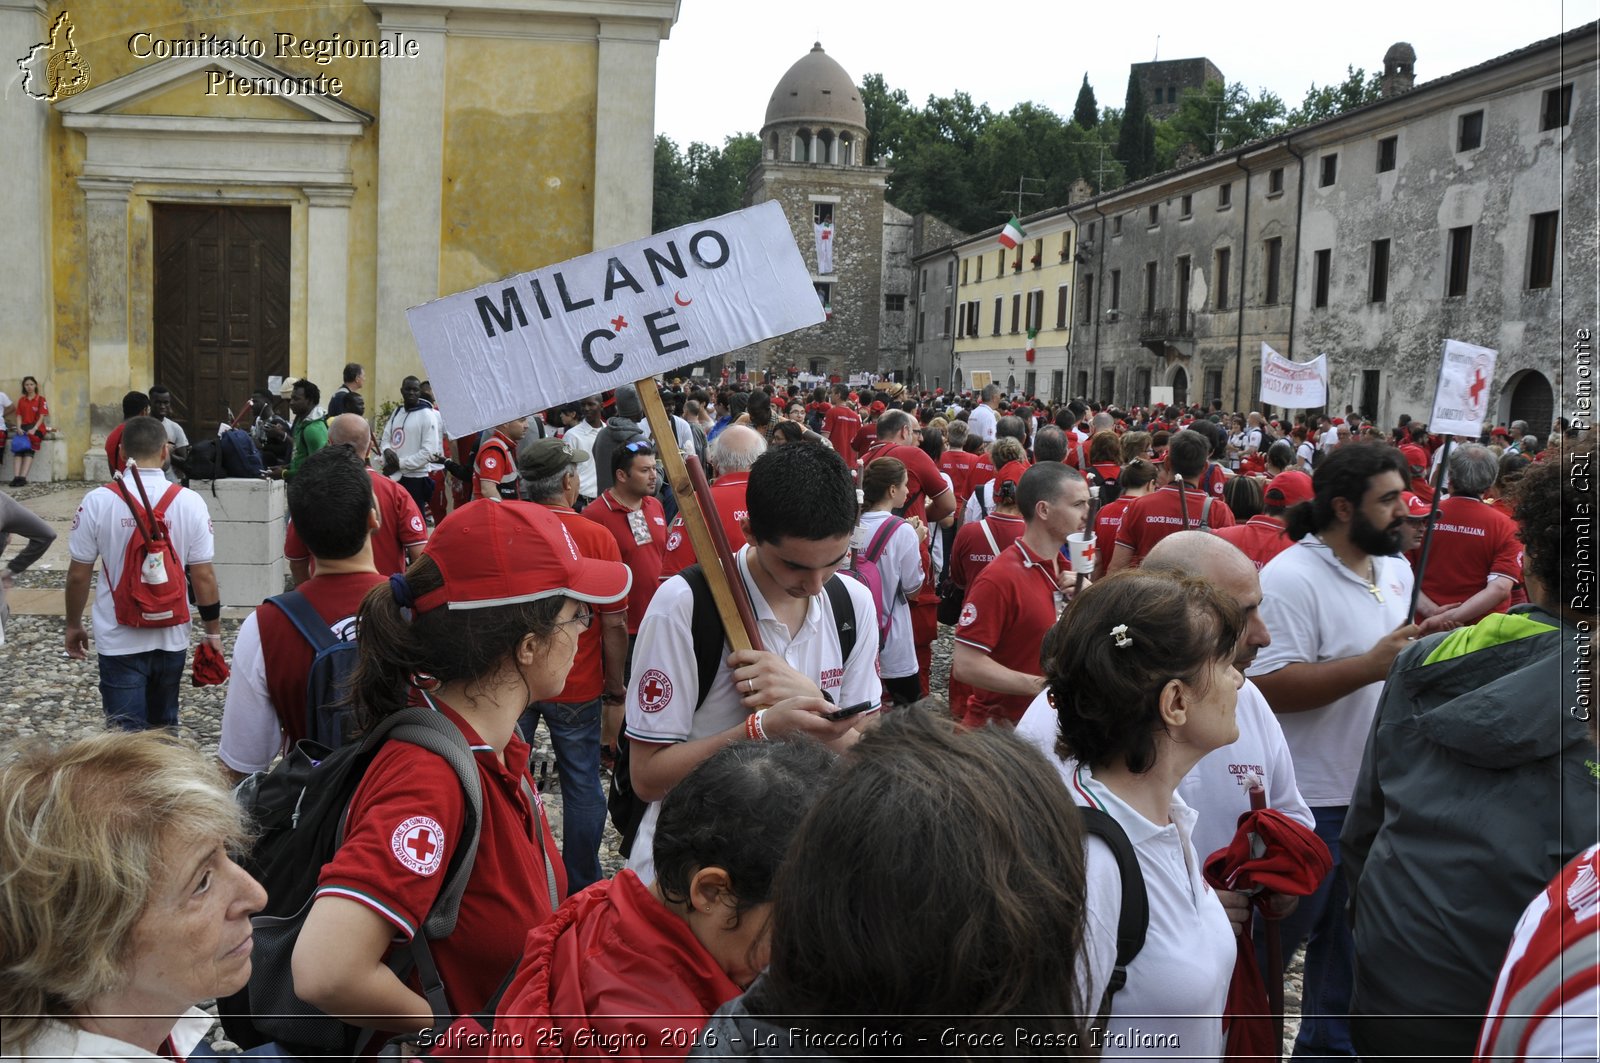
(1012, 234)
(1028, 352)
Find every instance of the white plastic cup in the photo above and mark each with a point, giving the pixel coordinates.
(1080, 549)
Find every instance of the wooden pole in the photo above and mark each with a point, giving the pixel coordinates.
(1427, 537)
(694, 518)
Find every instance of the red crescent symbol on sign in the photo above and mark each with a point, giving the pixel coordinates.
(678, 298)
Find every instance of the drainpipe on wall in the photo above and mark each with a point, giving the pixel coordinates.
(1299, 215)
(1102, 242)
(1072, 307)
(950, 379)
(1244, 261)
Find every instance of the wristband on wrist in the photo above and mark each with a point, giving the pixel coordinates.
(210, 612)
(757, 718)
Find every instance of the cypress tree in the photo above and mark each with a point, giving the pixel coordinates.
(1087, 111)
(1135, 141)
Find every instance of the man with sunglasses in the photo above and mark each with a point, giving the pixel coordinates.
(629, 510)
(587, 714)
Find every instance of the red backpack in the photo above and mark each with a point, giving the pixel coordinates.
(151, 591)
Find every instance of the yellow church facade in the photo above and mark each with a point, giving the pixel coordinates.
(208, 195)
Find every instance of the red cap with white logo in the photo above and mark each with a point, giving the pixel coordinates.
(505, 553)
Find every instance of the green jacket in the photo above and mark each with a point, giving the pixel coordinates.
(1477, 787)
(309, 436)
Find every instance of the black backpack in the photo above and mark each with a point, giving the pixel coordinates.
(1134, 919)
(231, 455)
(329, 716)
(298, 809)
(710, 650)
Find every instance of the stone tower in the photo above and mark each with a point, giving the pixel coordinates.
(1399, 69)
(813, 151)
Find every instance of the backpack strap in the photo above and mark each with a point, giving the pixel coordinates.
(880, 539)
(705, 629)
(988, 533)
(1134, 918)
(983, 510)
(1205, 513)
(844, 616)
(305, 619)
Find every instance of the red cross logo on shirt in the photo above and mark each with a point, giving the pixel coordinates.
(655, 691)
(418, 844)
(421, 844)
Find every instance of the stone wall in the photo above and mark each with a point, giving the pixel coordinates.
(896, 328)
(1165, 80)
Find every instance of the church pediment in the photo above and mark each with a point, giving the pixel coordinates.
(206, 88)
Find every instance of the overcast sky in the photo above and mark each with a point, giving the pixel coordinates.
(724, 57)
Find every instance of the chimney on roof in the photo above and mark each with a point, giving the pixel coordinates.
(1399, 70)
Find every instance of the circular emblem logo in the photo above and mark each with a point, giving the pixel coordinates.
(969, 613)
(488, 461)
(655, 691)
(416, 522)
(674, 541)
(418, 844)
(397, 436)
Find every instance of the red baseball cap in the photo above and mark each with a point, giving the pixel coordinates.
(1501, 432)
(1290, 488)
(1012, 471)
(504, 553)
(877, 407)
(1416, 508)
(1415, 456)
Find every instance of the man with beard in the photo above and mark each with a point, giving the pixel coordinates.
(1336, 607)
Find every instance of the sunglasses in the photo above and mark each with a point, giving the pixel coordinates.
(642, 446)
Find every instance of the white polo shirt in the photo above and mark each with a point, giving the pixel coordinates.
(102, 529)
(900, 569)
(1317, 610)
(982, 421)
(665, 682)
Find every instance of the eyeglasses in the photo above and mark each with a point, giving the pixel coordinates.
(639, 446)
(583, 619)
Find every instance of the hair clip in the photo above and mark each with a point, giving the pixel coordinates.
(1120, 633)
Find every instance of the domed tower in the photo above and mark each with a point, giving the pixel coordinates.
(815, 115)
(813, 162)
(1399, 69)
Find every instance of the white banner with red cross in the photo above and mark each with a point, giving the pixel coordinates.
(1461, 404)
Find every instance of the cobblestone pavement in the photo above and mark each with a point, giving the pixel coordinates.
(45, 693)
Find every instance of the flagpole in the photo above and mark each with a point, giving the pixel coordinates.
(1427, 536)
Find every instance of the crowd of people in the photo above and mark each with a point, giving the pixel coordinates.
(1163, 622)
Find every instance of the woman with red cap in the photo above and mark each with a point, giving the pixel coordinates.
(482, 625)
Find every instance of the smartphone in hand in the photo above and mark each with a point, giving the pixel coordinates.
(845, 713)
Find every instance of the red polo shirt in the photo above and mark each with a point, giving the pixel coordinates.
(1107, 522)
(494, 472)
(286, 657)
(923, 479)
(403, 824)
(957, 464)
(400, 526)
(982, 472)
(1006, 615)
(1472, 541)
(728, 493)
(971, 553)
(1153, 517)
(1261, 538)
(840, 426)
(643, 558)
(587, 680)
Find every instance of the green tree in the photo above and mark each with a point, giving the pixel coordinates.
(670, 207)
(1135, 138)
(889, 117)
(1086, 113)
(1326, 101)
(1216, 118)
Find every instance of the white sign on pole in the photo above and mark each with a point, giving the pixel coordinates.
(1294, 385)
(554, 335)
(1461, 402)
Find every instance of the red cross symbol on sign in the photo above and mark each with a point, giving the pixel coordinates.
(421, 844)
(827, 234)
(1478, 384)
(619, 322)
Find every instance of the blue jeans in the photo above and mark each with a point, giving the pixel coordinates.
(1322, 922)
(140, 690)
(575, 737)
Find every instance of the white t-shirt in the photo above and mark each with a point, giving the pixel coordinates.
(1330, 438)
(664, 685)
(1305, 454)
(101, 530)
(1217, 787)
(1317, 610)
(1170, 1007)
(900, 569)
(581, 435)
(982, 421)
(975, 510)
